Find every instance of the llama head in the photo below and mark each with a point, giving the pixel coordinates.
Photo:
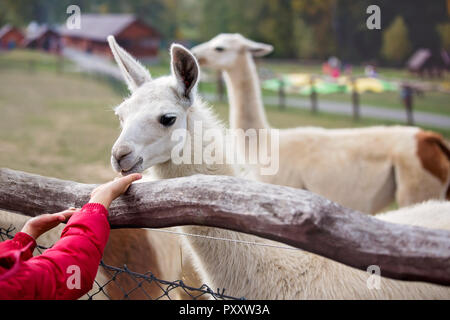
(155, 108)
(223, 51)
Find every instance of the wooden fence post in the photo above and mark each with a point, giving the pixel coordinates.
(355, 99)
(313, 94)
(407, 95)
(281, 94)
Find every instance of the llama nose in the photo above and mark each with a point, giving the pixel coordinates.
(121, 151)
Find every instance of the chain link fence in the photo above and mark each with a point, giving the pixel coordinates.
(144, 286)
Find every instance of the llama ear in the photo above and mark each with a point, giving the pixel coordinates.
(258, 49)
(133, 72)
(185, 69)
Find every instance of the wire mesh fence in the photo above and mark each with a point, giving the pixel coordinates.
(119, 282)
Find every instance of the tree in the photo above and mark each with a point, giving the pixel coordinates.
(303, 40)
(355, 42)
(396, 43)
(444, 31)
(421, 18)
(318, 16)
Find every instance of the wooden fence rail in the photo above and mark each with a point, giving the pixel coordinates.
(292, 216)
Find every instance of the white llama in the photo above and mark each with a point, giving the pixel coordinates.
(364, 168)
(148, 118)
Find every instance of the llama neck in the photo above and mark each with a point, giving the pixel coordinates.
(244, 95)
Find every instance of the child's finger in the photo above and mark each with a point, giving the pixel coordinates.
(68, 214)
(131, 178)
(128, 180)
(63, 217)
(69, 210)
(47, 218)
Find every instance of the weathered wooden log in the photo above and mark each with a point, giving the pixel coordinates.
(292, 216)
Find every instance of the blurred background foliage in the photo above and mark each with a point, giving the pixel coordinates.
(304, 29)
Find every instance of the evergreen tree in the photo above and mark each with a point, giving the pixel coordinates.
(396, 43)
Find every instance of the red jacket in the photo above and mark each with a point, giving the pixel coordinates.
(65, 271)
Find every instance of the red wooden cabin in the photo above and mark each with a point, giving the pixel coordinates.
(137, 37)
(43, 38)
(10, 37)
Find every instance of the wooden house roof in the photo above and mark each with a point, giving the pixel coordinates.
(99, 26)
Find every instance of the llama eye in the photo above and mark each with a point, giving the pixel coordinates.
(167, 120)
(219, 49)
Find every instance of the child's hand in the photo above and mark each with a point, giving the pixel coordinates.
(36, 226)
(106, 193)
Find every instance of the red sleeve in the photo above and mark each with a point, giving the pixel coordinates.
(68, 269)
(20, 241)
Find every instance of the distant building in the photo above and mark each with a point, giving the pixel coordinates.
(43, 38)
(10, 37)
(137, 37)
(425, 62)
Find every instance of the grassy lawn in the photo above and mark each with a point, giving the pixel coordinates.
(61, 123)
(32, 61)
(57, 125)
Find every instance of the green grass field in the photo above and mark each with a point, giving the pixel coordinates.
(61, 124)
